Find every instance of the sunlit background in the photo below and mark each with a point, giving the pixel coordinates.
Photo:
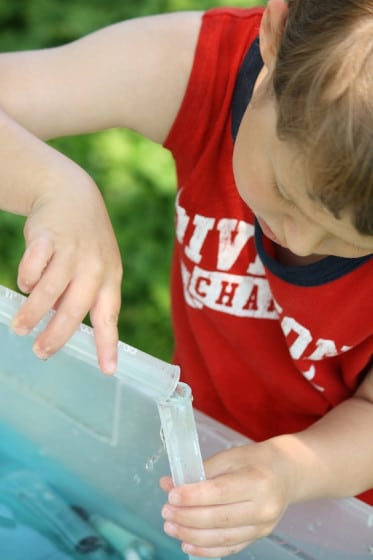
(135, 176)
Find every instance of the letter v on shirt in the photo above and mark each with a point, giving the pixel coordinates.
(220, 289)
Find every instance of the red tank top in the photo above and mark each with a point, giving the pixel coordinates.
(266, 348)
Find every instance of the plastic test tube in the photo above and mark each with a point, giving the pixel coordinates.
(149, 375)
(181, 437)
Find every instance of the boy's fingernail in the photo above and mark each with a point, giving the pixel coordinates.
(174, 498)
(170, 529)
(24, 286)
(109, 367)
(41, 353)
(165, 512)
(19, 328)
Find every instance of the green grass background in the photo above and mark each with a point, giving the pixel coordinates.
(135, 176)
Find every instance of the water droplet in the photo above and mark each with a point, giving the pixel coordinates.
(161, 435)
(149, 465)
(136, 479)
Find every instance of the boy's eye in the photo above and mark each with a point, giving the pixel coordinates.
(283, 196)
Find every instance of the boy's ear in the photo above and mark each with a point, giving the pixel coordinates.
(271, 29)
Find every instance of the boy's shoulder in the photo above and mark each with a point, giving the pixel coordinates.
(230, 30)
(235, 13)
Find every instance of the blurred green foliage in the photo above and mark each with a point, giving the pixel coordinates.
(135, 176)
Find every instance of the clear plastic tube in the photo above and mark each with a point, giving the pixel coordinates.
(181, 437)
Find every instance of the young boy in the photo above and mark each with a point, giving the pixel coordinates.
(271, 292)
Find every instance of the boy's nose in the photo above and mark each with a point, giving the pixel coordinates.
(303, 238)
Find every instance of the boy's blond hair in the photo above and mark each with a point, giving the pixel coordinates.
(323, 83)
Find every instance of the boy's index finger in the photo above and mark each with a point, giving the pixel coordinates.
(107, 349)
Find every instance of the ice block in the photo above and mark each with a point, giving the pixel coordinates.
(181, 437)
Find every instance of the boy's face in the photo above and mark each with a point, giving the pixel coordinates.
(271, 181)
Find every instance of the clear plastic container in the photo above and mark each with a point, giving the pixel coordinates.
(96, 440)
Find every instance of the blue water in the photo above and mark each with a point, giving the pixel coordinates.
(24, 535)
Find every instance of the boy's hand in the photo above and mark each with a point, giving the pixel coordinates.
(246, 492)
(72, 264)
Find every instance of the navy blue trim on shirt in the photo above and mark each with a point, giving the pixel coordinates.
(327, 269)
(314, 274)
(243, 90)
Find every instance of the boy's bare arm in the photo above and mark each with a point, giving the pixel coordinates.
(340, 446)
(249, 487)
(132, 74)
